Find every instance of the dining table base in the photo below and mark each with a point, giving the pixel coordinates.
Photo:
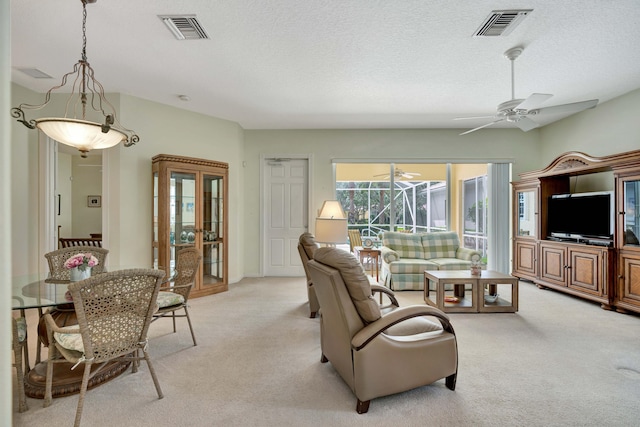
(66, 381)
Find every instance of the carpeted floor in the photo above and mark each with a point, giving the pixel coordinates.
(559, 361)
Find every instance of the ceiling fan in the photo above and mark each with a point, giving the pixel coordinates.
(519, 111)
(399, 173)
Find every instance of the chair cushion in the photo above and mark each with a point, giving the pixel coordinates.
(355, 280)
(70, 341)
(21, 326)
(167, 299)
(406, 245)
(440, 244)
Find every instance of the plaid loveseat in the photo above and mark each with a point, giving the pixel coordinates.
(405, 257)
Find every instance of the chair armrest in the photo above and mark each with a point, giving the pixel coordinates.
(388, 255)
(53, 326)
(386, 291)
(466, 253)
(372, 330)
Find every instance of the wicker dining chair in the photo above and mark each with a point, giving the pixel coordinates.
(19, 345)
(57, 258)
(114, 312)
(175, 296)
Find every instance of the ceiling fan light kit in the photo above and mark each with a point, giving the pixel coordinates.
(520, 111)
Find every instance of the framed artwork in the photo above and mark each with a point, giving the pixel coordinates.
(94, 201)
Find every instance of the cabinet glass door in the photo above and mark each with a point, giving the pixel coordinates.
(631, 195)
(182, 213)
(213, 239)
(526, 215)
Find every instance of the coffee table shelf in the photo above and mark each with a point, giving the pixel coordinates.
(470, 291)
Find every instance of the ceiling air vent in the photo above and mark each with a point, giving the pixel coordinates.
(184, 27)
(501, 22)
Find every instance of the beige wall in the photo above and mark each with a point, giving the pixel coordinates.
(436, 146)
(609, 128)
(127, 184)
(612, 127)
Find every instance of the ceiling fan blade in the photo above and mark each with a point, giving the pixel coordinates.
(481, 127)
(478, 117)
(526, 124)
(533, 101)
(574, 107)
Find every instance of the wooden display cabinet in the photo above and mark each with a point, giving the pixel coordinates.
(628, 284)
(606, 274)
(190, 209)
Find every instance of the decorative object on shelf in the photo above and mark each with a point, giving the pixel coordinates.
(491, 298)
(476, 268)
(331, 223)
(80, 266)
(94, 201)
(191, 237)
(73, 130)
(367, 242)
(210, 236)
(183, 237)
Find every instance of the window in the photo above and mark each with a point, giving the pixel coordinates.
(474, 213)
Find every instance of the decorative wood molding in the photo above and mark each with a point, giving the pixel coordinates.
(189, 160)
(578, 163)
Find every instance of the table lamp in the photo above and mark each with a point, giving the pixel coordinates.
(331, 224)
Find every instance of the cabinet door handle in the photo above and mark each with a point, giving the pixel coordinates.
(621, 277)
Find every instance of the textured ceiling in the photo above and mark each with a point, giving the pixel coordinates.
(291, 64)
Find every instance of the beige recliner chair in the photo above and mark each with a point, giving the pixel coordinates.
(378, 354)
(306, 247)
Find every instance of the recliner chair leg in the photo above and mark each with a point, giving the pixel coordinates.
(450, 381)
(313, 315)
(362, 407)
(323, 359)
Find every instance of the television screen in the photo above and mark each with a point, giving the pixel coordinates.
(581, 215)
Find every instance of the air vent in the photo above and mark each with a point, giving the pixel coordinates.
(501, 22)
(35, 73)
(184, 27)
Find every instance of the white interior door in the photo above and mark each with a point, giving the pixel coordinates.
(286, 214)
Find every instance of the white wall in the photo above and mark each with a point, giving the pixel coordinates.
(64, 189)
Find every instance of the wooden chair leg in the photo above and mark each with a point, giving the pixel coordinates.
(362, 407)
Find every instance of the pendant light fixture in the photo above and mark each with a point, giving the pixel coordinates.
(86, 92)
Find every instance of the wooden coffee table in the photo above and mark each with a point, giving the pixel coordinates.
(483, 298)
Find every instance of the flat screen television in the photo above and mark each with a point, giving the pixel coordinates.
(581, 215)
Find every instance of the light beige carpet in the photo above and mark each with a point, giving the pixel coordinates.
(559, 361)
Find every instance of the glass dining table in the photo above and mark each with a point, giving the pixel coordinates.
(41, 292)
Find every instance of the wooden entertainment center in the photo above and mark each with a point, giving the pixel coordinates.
(601, 271)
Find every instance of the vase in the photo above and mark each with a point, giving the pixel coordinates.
(75, 274)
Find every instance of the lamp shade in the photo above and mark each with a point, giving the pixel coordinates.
(81, 134)
(331, 223)
(332, 231)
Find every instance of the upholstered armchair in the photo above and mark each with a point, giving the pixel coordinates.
(378, 354)
(306, 247)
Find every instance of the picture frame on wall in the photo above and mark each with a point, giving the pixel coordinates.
(94, 201)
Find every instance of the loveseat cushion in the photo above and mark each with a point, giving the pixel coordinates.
(406, 245)
(451, 264)
(440, 244)
(412, 266)
(355, 280)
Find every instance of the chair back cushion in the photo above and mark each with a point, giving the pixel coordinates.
(406, 245)
(309, 245)
(355, 280)
(440, 244)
